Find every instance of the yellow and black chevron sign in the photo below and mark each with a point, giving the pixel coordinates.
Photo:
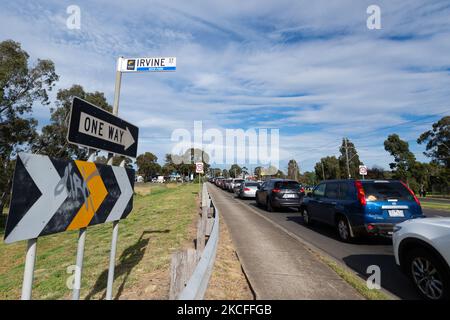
(50, 196)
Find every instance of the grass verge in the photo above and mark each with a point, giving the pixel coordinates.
(228, 281)
(352, 279)
(434, 205)
(159, 224)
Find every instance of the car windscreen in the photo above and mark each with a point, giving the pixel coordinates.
(382, 191)
(251, 184)
(287, 185)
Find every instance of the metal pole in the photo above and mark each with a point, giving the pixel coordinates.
(28, 274)
(346, 157)
(79, 264)
(115, 233)
(80, 250)
(112, 260)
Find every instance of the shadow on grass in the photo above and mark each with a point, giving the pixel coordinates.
(130, 258)
(3, 222)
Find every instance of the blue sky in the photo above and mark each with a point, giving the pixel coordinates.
(310, 68)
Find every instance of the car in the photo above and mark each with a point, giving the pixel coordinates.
(280, 193)
(234, 183)
(422, 251)
(247, 189)
(225, 183)
(361, 207)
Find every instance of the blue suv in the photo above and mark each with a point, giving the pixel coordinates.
(361, 207)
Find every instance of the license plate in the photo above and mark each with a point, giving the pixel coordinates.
(290, 195)
(396, 213)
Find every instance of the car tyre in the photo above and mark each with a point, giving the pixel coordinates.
(269, 206)
(306, 217)
(343, 229)
(428, 274)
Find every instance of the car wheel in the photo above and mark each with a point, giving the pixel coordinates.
(343, 229)
(269, 205)
(428, 274)
(306, 217)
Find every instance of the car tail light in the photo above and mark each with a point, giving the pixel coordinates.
(246, 189)
(276, 190)
(302, 190)
(360, 193)
(412, 193)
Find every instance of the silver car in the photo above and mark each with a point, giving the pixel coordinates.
(247, 189)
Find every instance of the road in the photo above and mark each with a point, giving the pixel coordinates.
(357, 255)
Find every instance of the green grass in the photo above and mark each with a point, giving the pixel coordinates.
(435, 205)
(355, 281)
(158, 225)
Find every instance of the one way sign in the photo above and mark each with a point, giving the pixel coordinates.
(96, 128)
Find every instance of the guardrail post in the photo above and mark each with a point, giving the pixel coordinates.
(182, 267)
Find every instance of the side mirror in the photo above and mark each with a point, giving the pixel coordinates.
(309, 194)
(258, 187)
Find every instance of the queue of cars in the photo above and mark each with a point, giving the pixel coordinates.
(366, 207)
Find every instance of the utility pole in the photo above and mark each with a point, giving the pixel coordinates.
(323, 170)
(346, 158)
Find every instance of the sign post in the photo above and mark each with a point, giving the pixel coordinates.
(28, 274)
(129, 65)
(363, 171)
(199, 170)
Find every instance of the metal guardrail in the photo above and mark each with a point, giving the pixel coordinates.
(198, 283)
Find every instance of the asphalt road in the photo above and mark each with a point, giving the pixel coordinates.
(357, 255)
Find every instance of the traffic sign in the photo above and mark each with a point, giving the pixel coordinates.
(93, 127)
(199, 167)
(363, 170)
(51, 196)
(147, 64)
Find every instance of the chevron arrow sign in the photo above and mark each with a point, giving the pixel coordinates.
(51, 196)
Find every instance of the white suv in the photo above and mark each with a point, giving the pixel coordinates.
(422, 250)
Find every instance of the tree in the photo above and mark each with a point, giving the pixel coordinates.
(257, 172)
(117, 160)
(293, 170)
(404, 159)
(330, 168)
(52, 141)
(438, 142)
(147, 165)
(225, 173)
(353, 160)
(377, 173)
(235, 171)
(21, 85)
(216, 172)
(308, 178)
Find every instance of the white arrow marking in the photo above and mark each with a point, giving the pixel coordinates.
(128, 140)
(98, 128)
(46, 179)
(126, 192)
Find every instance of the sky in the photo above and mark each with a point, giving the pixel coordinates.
(311, 69)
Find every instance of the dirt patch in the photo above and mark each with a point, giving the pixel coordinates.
(228, 281)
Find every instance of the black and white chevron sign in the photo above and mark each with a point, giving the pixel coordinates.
(51, 195)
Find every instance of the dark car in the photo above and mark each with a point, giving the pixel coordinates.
(355, 207)
(280, 193)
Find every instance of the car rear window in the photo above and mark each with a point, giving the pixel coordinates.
(238, 180)
(386, 190)
(287, 185)
(251, 184)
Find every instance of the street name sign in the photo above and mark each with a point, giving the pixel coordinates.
(51, 195)
(147, 64)
(93, 127)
